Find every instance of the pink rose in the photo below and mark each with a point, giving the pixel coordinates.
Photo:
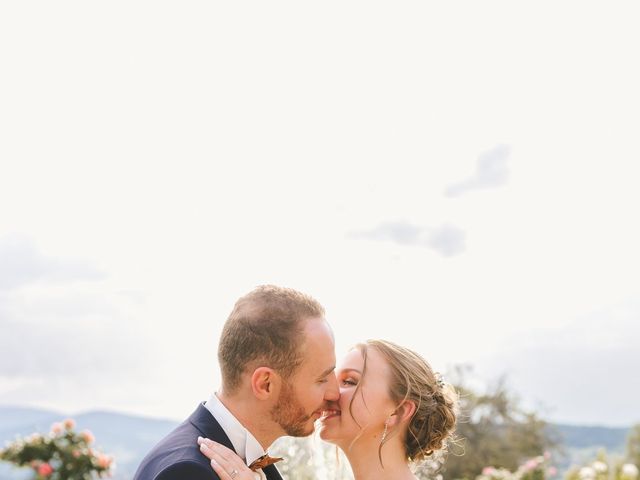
(531, 464)
(87, 436)
(56, 428)
(552, 471)
(103, 461)
(76, 454)
(69, 423)
(45, 470)
(488, 471)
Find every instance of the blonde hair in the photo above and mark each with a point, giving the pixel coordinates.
(412, 379)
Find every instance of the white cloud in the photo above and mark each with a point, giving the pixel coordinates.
(583, 372)
(36, 350)
(448, 240)
(22, 264)
(491, 172)
(403, 233)
(61, 325)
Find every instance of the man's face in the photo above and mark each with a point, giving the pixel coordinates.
(307, 393)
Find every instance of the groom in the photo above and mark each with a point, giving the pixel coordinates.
(276, 356)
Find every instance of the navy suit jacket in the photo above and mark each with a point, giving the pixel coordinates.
(178, 456)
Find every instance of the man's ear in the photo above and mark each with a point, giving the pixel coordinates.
(264, 383)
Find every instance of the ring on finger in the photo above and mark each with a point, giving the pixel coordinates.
(233, 473)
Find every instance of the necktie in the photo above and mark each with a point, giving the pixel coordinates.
(263, 461)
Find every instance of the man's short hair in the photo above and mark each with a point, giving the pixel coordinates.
(265, 328)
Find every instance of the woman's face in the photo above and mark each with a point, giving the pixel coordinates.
(371, 404)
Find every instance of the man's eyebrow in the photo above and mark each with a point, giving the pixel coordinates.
(327, 372)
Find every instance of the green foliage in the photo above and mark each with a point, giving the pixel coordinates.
(493, 430)
(633, 445)
(64, 454)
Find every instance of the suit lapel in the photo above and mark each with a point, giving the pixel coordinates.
(272, 473)
(211, 429)
(209, 426)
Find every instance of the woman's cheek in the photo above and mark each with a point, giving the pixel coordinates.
(345, 398)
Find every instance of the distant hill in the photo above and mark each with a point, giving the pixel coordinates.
(17, 417)
(130, 437)
(574, 436)
(127, 437)
(582, 443)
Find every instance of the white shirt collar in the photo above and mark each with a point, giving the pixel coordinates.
(244, 443)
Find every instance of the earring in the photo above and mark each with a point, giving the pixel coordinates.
(386, 427)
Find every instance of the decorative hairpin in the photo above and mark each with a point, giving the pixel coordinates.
(439, 380)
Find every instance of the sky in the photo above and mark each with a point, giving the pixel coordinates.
(458, 177)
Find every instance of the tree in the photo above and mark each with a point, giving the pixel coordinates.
(633, 445)
(493, 430)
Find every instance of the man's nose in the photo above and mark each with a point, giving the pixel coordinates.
(333, 392)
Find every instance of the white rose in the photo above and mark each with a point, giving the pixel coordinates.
(599, 467)
(587, 473)
(629, 470)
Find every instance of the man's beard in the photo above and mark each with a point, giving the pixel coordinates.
(290, 415)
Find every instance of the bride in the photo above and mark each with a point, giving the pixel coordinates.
(393, 411)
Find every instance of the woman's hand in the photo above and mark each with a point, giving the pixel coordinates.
(225, 462)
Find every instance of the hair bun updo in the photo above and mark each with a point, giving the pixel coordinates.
(434, 420)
